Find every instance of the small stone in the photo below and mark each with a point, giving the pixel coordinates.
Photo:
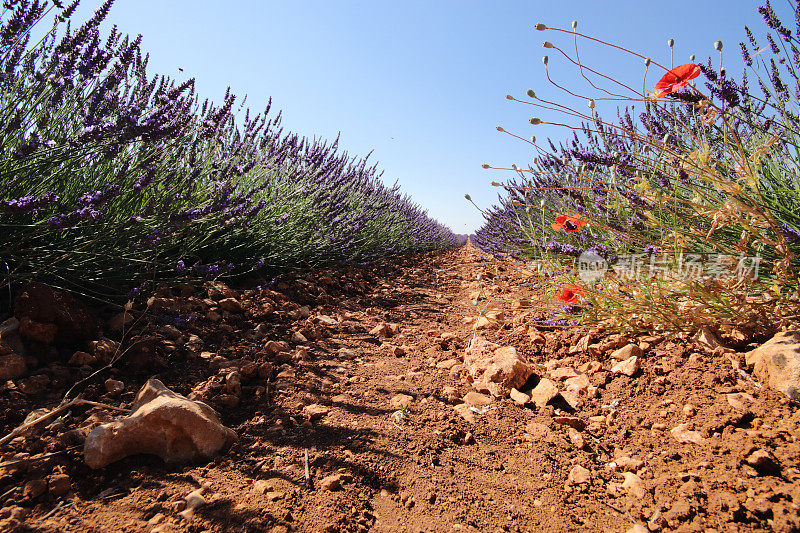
(34, 488)
(156, 519)
(344, 353)
(740, 400)
(576, 438)
(327, 321)
(579, 475)
(563, 372)
(332, 482)
(465, 412)
(571, 421)
(104, 350)
(537, 430)
(544, 391)
(298, 338)
(194, 500)
(626, 352)
(263, 486)
(520, 398)
(274, 495)
(762, 461)
(628, 367)
(59, 484)
(399, 401)
(689, 410)
(229, 401)
(628, 464)
(316, 411)
(231, 305)
(114, 386)
(634, 485)
(398, 351)
(233, 383)
(82, 358)
(476, 399)
(450, 394)
(682, 434)
(381, 330)
(637, 528)
(447, 364)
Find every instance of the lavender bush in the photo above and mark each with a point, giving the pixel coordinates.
(111, 177)
(707, 170)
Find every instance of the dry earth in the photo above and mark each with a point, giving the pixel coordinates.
(686, 442)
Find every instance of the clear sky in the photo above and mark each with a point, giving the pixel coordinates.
(422, 83)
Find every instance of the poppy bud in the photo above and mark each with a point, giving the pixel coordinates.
(509, 97)
(547, 44)
(535, 120)
(533, 139)
(647, 62)
(539, 26)
(591, 103)
(500, 128)
(670, 42)
(723, 72)
(545, 59)
(514, 166)
(541, 202)
(479, 277)
(718, 46)
(475, 302)
(468, 197)
(495, 184)
(531, 93)
(691, 58)
(485, 165)
(574, 24)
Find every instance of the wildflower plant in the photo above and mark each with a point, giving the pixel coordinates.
(691, 205)
(111, 178)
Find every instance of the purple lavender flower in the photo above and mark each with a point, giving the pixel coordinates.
(28, 204)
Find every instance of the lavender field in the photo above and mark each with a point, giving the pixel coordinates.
(113, 178)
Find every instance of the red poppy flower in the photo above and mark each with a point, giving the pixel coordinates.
(569, 294)
(568, 223)
(677, 78)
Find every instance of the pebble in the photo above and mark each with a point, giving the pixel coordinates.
(544, 391)
(628, 367)
(634, 485)
(579, 475)
(316, 411)
(520, 398)
(59, 484)
(476, 399)
(34, 488)
(114, 386)
(332, 482)
(400, 400)
(684, 435)
(626, 352)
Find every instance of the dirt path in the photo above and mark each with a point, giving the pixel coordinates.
(603, 456)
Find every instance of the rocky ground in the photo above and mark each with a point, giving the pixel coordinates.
(374, 400)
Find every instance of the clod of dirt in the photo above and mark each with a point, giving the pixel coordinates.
(777, 363)
(162, 423)
(41, 304)
(496, 369)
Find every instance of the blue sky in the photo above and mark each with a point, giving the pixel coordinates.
(421, 83)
